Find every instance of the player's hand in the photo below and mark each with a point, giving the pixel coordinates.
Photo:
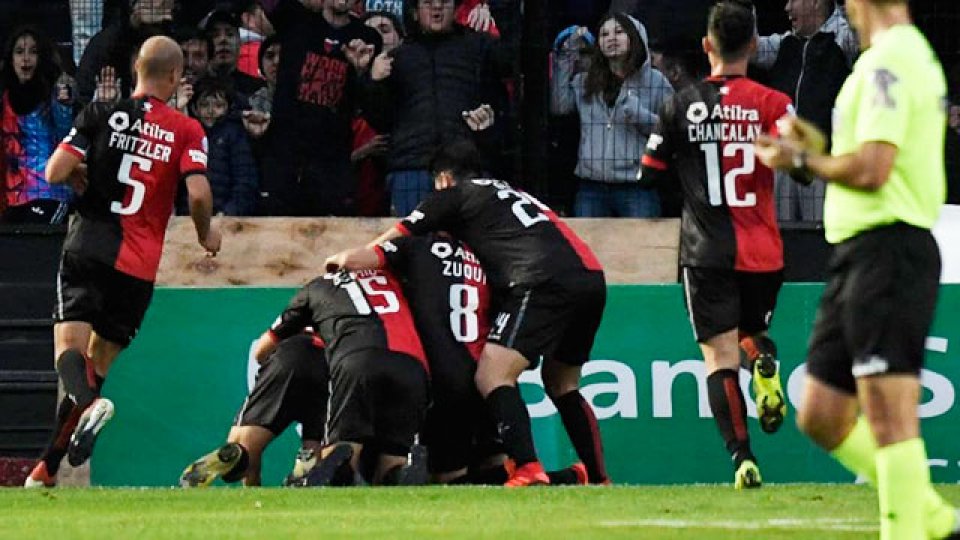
(256, 123)
(359, 53)
(382, 67)
(802, 134)
(108, 85)
(212, 241)
(480, 118)
(479, 18)
(334, 263)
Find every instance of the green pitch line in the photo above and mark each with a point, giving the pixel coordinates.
(678, 512)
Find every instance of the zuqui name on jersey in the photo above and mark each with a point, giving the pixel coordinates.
(728, 123)
(144, 147)
(459, 263)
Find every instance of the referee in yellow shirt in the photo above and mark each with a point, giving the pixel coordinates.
(886, 187)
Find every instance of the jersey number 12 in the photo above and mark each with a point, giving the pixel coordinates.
(711, 153)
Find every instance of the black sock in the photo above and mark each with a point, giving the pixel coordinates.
(68, 414)
(238, 471)
(487, 476)
(730, 413)
(563, 477)
(513, 423)
(581, 425)
(78, 376)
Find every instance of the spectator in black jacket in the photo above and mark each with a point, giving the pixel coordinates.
(443, 82)
(809, 64)
(231, 169)
(222, 27)
(114, 45)
(326, 51)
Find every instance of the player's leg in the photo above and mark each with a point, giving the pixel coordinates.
(713, 304)
(497, 373)
(78, 303)
(400, 394)
(758, 298)
(563, 366)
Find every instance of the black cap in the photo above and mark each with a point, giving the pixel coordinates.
(222, 13)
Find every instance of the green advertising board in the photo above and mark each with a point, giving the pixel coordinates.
(179, 385)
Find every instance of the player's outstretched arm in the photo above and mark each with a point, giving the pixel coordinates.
(393, 232)
(868, 168)
(364, 258)
(201, 209)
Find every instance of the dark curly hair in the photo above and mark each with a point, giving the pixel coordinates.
(731, 25)
(26, 96)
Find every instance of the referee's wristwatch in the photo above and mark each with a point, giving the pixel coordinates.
(800, 161)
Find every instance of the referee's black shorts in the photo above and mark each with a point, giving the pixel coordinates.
(719, 300)
(377, 396)
(292, 386)
(877, 306)
(556, 320)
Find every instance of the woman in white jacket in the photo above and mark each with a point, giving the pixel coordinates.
(617, 98)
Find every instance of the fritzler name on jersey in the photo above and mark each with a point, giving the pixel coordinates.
(720, 127)
(147, 148)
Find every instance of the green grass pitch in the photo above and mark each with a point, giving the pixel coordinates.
(818, 512)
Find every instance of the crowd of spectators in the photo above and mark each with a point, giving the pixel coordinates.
(333, 107)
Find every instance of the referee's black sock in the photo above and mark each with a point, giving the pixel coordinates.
(581, 425)
(730, 413)
(513, 423)
(79, 377)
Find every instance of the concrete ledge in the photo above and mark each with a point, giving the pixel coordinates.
(290, 251)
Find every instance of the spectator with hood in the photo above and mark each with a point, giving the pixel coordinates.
(617, 99)
(222, 27)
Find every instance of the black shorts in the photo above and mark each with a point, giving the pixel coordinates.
(457, 422)
(719, 300)
(291, 387)
(112, 302)
(554, 320)
(877, 306)
(377, 395)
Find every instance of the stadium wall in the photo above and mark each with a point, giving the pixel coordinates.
(181, 382)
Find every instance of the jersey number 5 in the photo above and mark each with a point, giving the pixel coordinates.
(712, 155)
(139, 190)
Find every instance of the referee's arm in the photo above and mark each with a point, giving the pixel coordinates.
(867, 169)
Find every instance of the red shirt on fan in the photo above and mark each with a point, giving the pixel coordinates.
(137, 150)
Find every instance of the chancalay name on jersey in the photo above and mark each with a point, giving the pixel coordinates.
(721, 127)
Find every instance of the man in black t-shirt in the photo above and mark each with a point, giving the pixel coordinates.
(548, 293)
(306, 168)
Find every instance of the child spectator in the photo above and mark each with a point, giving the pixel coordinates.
(231, 169)
(36, 114)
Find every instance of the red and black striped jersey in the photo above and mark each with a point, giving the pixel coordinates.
(136, 151)
(518, 239)
(448, 293)
(352, 312)
(705, 136)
